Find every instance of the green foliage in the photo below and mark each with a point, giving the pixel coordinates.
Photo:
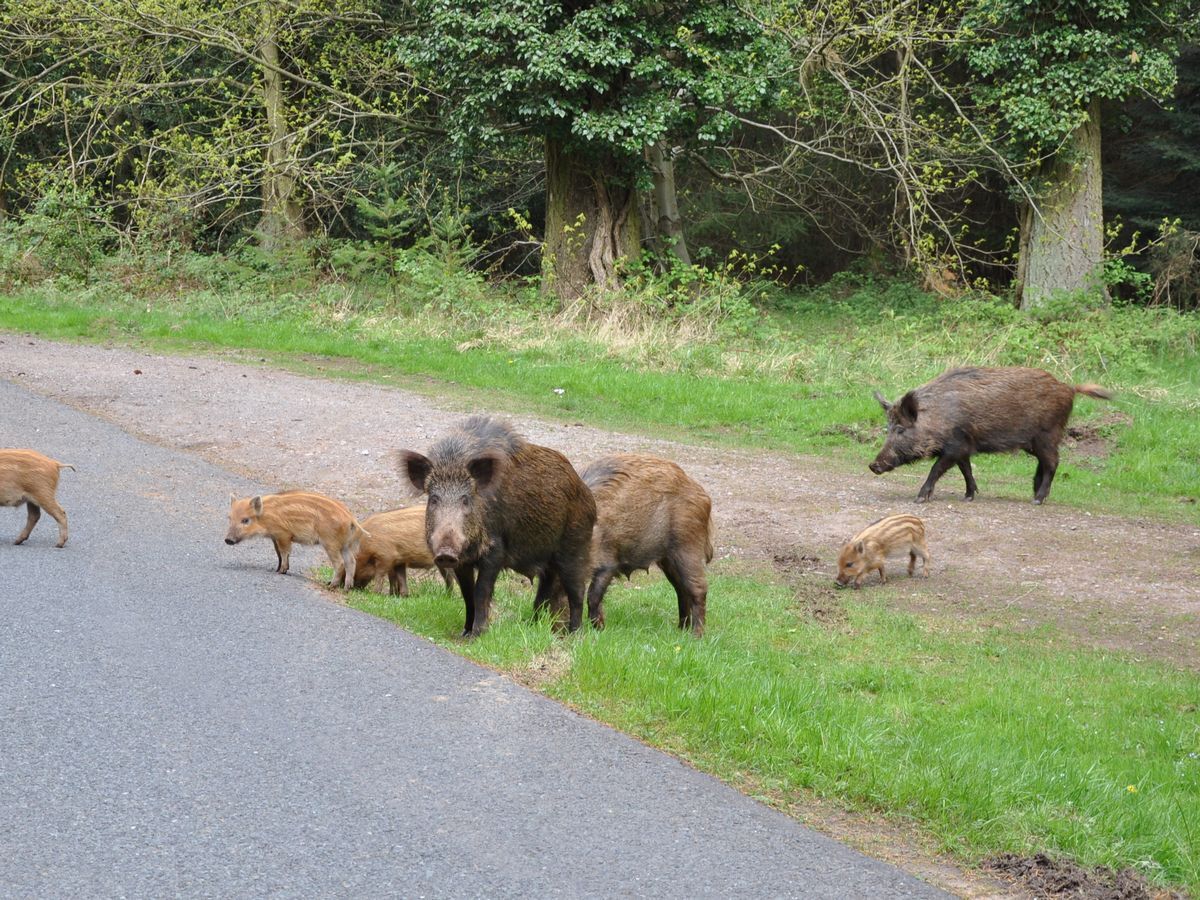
(58, 236)
(610, 75)
(1041, 65)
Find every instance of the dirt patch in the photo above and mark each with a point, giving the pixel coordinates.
(1052, 878)
(1110, 581)
(1094, 439)
(545, 668)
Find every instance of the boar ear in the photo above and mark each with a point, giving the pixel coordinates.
(886, 406)
(860, 547)
(416, 467)
(232, 499)
(485, 469)
(256, 505)
(908, 408)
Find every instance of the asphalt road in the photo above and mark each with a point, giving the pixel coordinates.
(176, 719)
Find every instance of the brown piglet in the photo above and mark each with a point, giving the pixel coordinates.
(395, 541)
(301, 517)
(869, 549)
(28, 477)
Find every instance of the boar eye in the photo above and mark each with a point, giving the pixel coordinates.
(245, 521)
(466, 501)
(433, 500)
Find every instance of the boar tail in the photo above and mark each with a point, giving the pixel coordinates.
(355, 528)
(708, 541)
(1094, 390)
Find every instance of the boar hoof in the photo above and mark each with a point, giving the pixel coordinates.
(969, 497)
(922, 498)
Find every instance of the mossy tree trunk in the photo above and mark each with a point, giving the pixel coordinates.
(591, 223)
(1062, 242)
(668, 223)
(282, 213)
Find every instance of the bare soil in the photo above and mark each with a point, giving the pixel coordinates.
(1059, 878)
(1120, 582)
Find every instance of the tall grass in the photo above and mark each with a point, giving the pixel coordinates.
(989, 739)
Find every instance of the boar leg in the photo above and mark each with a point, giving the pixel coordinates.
(465, 575)
(939, 469)
(485, 584)
(686, 575)
(918, 550)
(964, 466)
(283, 553)
(1047, 457)
(398, 579)
(601, 579)
(550, 595)
(33, 513)
(573, 575)
(349, 564)
(60, 516)
(448, 577)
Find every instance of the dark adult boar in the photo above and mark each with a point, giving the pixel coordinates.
(966, 411)
(648, 511)
(498, 502)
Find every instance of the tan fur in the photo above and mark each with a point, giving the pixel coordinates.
(28, 477)
(870, 548)
(649, 512)
(299, 517)
(395, 541)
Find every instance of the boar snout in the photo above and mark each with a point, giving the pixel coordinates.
(230, 541)
(879, 467)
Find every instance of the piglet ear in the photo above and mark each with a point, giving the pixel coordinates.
(860, 547)
(485, 469)
(908, 408)
(882, 402)
(232, 499)
(256, 505)
(416, 467)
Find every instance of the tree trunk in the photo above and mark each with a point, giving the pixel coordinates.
(282, 214)
(591, 223)
(665, 205)
(1062, 241)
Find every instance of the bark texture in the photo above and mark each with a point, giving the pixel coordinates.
(283, 214)
(664, 214)
(591, 223)
(1062, 242)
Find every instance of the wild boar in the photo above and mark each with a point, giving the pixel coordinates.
(975, 410)
(28, 477)
(868, 550)
(300, 517)
(649, 512)
(395, 541)
(498, 502)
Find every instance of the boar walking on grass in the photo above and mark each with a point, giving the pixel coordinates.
(649, 512)
(299, 517)
(496, 501)
(394, 542)
(868, 550)
(28, 477)
(967, 411)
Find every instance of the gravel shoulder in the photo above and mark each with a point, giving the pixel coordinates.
(1121, 582)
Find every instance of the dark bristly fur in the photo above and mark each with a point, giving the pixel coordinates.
(978, 410)
(499, 502)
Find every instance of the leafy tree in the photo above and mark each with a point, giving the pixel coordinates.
(1045, 67)
(609, 86)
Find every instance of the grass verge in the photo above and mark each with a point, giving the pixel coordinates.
(987, 739)
(802, 385)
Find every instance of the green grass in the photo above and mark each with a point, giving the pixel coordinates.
(802, 383)
(987, 739)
